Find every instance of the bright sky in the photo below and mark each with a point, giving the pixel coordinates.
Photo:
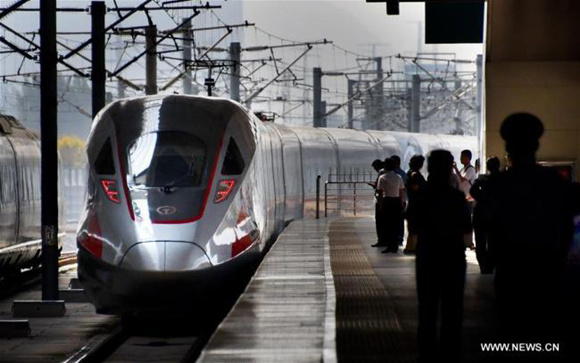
(352, 24)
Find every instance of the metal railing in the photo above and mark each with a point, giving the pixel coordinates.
(350, 193)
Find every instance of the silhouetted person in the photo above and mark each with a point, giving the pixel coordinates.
(442, 218)
(403, 175)
(572, 295)
(378, 166)
(391, 190)
(415, 182)
(479, 193)
(530, 229)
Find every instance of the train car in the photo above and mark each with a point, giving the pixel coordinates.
(185, 193)
(20, 224)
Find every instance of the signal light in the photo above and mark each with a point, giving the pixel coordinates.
(110, 188)
(224, 189)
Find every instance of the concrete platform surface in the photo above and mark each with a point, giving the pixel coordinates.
(292, 312)
(53, 339)
(287, 311)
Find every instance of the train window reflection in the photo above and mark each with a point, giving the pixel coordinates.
(167, 159)
(104, 164)
(233, 161)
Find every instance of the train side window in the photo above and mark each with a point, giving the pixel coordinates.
(104, 163)
(233, 161)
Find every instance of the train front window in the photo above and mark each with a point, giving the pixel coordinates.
(233, 160)
(167, 159)
(104, 164)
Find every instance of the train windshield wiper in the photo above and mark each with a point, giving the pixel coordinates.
(170, 187)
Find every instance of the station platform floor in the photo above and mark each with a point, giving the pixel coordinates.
(324, 294)
(321, 294)
(54, 339)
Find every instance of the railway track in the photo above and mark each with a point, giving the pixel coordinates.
(26, 279)
(154, 344)
(67, 258)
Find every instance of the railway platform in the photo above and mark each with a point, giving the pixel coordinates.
(54, 339)
(324, 294)
(321, 294)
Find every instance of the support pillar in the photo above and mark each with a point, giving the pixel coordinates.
(151, 61)
(409, 101)
(187, 54)
(416, 104)
(49, 156)
(378, 97)
(98, 70)
(235, 57)
(478, 128)
(317, 97)
(350, 109)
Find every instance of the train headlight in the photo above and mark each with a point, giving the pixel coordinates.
(110, 188)
(224, 189)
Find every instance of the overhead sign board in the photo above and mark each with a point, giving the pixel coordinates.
(454, 22)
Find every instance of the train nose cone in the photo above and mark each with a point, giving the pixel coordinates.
(184, 256)
(165, 256)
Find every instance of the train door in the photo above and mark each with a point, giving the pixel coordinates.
(267, 174)
(278, 175)
(8, 193)
(319, 157)
(293, 180)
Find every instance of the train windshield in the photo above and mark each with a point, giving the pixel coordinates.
(167, 159)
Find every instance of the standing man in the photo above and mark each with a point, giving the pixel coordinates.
(391, 189)
(441, 220)
(466, 175)
(415, 183)
(529, 219)
(405, 177)
(378, 166)
(479, 193)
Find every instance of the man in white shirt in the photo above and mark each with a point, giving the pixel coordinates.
(391, 195)
(466, 175)
(378, 166)
(405, 177)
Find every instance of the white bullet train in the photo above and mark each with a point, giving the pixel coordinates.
(185, 193)
(20, 240)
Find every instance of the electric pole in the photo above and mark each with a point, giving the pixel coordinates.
(350, 95)
(317, 97)
(378, 99)
(415, 118)
(479, 105)
(49, 156)
(187, 45)
(235, 57)
(151, 60)
(98, 69)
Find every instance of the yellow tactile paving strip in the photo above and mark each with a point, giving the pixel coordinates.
(367, 328)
